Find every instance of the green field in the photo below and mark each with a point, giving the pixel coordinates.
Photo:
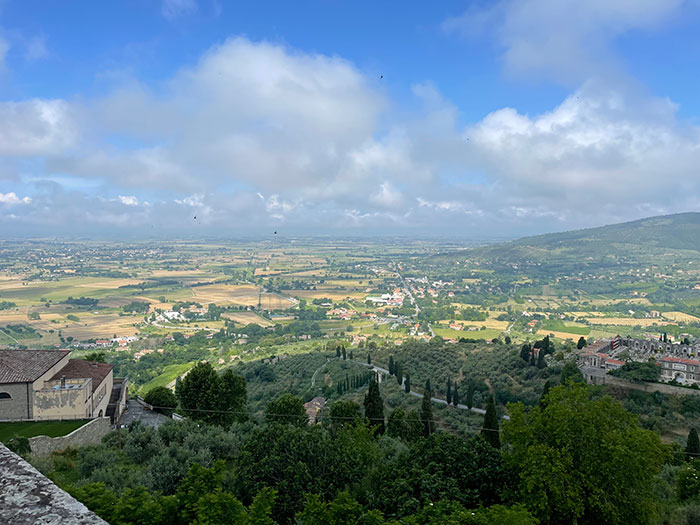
(42, 428)
(561, 326)
(170, 373)
(487, 334)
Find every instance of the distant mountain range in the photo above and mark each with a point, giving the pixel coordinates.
(630, 243)
(678, 231)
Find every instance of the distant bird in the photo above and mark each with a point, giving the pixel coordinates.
(381, 76)
(195, 217)
(275, 233)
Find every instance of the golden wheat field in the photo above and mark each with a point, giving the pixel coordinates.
(241, 294)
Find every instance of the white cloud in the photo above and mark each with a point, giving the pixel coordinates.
(128, 200)
(11, 198)
(387, 196)
(568, 39)
(35, 127)
(173, 9)
(256, 133)
(597, 146)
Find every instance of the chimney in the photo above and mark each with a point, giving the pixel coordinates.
(63, 381)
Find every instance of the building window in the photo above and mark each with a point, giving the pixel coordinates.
(5, 395)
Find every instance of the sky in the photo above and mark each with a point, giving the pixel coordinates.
(486, 119)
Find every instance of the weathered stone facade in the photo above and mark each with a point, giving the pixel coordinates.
(27, 497)
(90, 433)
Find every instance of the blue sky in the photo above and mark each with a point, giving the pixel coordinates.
(491, 119)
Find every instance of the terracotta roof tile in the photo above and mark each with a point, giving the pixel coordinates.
(79, 368)
(25, 366)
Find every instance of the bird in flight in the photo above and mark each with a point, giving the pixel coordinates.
(195, 217)
(275, 233)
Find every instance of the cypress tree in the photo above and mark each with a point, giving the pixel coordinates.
(407, 383)
(581, 342)
(427, 386)
(525, 352)
(369, 359)
(692, 448)
(541, 363)
(344, 354)
(337, 351)
(545, 391)
(398, 372)
(533, 360)
(392, 366)
(374, 407)
(470, 395)
(351, 355)
(490, 427)
(426, 414)
(449, 391)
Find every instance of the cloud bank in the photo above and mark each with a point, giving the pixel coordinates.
(256, 135)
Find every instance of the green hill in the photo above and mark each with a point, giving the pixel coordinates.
(680, 231)
(664, 241)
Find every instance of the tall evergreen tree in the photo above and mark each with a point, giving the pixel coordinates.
(692, 447)
(546, 345)
(533, 359)
(541, 363)
(392, 366)
(374, 407)
(490, 428)
(427, 386)
(337, 351)
(581, 342)
(407, 383)
(344, 354)
(426, 414)
(525, 352)
(470, 395)
(455, 396)
(352, 356)
(545, 391)
(449, 391)
(399, 373)
(508, 340)
(369, 359)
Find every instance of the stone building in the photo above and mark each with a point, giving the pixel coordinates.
(684, 371)
(40, 385)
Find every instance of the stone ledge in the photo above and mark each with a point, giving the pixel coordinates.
(29, 497)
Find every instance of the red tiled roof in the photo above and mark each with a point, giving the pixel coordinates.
(680, 360)
(26, 366)
(79, 368)
(614, 361)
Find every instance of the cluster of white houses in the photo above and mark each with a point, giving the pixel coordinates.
(676, 360)
(37, 385)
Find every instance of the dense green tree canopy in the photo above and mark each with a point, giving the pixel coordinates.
(583, 461)
(287, 409)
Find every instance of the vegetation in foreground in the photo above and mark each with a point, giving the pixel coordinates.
(575, 457)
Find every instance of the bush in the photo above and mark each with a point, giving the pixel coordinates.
(163, 400)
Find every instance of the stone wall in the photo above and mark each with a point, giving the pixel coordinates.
(28, 497)
(90, 433)
(650, 387)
